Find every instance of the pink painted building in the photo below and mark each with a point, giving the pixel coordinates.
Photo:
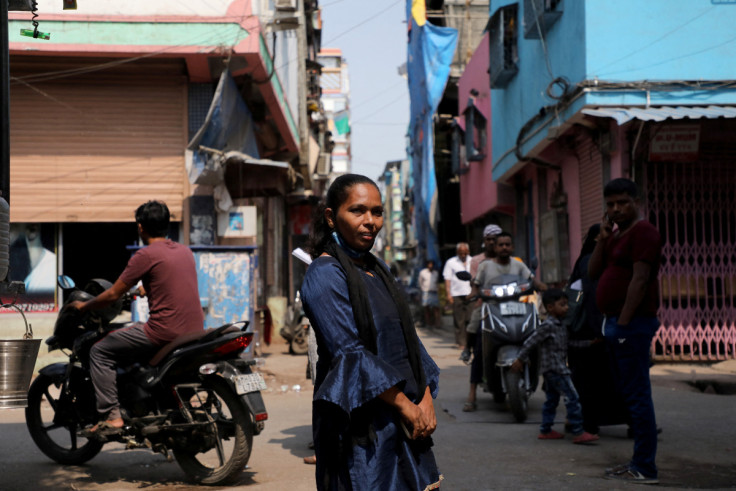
(479, 195)
(482, 201)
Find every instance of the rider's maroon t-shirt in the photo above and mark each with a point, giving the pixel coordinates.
(169, 275)
(641, 243)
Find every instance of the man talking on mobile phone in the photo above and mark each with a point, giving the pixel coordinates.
(626, 260)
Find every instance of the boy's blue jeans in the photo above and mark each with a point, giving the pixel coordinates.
(630, 346)
(557, 385)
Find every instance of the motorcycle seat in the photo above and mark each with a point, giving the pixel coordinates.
(188, 338)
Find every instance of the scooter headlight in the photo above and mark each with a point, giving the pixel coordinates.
(499, 291)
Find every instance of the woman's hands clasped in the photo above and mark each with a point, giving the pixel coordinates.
(419, 418)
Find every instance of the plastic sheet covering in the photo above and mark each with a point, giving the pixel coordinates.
(228, 127)
(431, 50)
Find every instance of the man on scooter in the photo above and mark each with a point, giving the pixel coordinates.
(169, 275)
(502, 263)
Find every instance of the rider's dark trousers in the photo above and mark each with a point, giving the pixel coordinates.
(120, 347)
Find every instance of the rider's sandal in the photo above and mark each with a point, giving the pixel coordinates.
(101, 430)
(469, 407)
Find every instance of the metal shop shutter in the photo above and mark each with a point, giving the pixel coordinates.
(590, 175)
(91, 149)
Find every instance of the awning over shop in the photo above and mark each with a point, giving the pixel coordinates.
(264, 164)
(623, 115)
(246, 176)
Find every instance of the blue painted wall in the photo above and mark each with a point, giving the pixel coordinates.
(616, 41)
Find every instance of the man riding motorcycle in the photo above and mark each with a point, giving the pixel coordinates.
(169, 275)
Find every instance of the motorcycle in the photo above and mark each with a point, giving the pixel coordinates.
(506, 323)
(196, 397)
(296, 328)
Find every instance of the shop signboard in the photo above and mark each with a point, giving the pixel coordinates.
(675, 143)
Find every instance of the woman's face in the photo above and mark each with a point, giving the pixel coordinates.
(359, 218)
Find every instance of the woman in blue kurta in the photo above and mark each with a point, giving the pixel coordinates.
(372, 412)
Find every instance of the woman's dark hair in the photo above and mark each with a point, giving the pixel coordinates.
(621, 185)
(552, 295)
(585, 251)
(589, 241)
(154, 217)
(337, 194)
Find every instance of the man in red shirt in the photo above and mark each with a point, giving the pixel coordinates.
(169, 275)
(626, 261)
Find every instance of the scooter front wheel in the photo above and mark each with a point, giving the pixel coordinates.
(517, 395)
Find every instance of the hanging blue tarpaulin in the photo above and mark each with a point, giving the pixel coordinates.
(228, 127)
(431, 49)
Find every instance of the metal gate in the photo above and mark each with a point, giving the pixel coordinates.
(693, 206)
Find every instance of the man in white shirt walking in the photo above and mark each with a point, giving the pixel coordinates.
(458, 291)
(428, 278)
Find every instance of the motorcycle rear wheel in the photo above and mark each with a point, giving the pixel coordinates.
(224, 463)
(517, 395)
(59, 441)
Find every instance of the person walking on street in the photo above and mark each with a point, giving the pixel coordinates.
(626, 262)
(428, 278)
(551, 337)
(458, 291)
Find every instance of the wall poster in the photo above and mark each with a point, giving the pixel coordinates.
(33, 261)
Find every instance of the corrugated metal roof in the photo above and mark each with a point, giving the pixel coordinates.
(623, 115)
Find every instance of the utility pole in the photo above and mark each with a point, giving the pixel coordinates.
(301, 34)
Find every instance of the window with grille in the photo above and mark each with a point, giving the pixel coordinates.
(475, 133)
(504, 52)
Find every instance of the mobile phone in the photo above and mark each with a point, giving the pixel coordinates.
(608, 219)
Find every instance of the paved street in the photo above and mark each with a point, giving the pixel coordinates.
(475, 451)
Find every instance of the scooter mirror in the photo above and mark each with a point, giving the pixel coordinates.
(65, 282)
(463, 276)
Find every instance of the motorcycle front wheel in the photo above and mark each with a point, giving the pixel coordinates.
(230, 430)
(517, 394)
(52, 423)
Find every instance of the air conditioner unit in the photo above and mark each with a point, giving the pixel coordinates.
(540, 15)
(20, 5)
(286, 5)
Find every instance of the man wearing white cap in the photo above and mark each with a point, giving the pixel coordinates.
(489, 241)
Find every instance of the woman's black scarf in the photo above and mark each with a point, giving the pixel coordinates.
(364, 316)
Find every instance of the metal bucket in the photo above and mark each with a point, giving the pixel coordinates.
(17, 360)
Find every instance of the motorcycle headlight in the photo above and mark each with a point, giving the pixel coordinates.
(499, 291)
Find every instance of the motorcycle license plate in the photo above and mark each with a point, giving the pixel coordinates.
(251, 382)
(513, 308)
